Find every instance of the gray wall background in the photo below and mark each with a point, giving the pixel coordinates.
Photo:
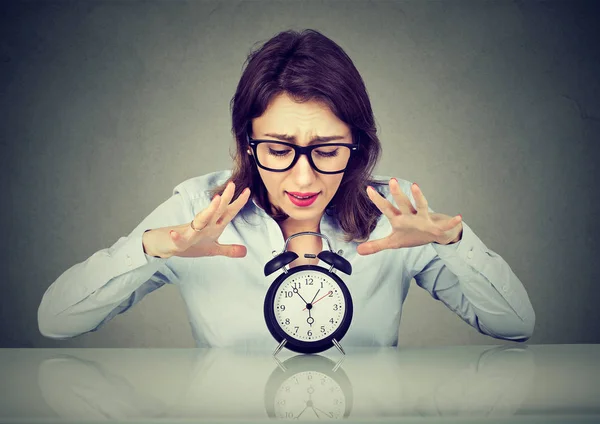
(492, 107)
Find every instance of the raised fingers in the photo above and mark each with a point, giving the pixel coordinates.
(234, 208)
(402, 201)
(382, 203)
(205, 217)
(373, 246)
(452, 222)
(225, 199)
(420, 200)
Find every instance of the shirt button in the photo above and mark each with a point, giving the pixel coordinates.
(129, 261)
(504, 289)
(470, 254)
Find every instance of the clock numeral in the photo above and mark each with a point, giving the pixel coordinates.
(309, 282)
(289, 293)
(330, 294)
(281, 307)
(331, 320)
(297, 286)
(336, 307)
(309, 333)
(322, 329)
(296, 330)
(321, 284)
(287, 321)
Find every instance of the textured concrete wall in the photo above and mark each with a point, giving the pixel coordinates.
(492, 107)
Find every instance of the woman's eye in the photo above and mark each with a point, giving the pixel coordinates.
(327, 154)
(278, 152)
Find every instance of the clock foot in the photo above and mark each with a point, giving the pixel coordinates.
(280, 364)
(339, 346)
(338, 364)
(279, 347)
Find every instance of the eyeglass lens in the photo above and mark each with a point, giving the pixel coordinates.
(326, 158)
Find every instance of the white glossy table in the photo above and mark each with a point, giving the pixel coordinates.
(516, 383)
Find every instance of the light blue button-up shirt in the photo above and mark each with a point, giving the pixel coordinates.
(225, 296)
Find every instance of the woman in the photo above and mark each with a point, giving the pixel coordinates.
(306, 148)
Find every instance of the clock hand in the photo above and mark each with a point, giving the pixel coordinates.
(295, 290)
(310, 401)
(315, 295)
(329, 414)
(314, 408)
(311, 302)
(310, 319)
(325, 295)
(302, 412)
(315, 411)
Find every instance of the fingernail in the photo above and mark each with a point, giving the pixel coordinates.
(395, 180)
(416, 185)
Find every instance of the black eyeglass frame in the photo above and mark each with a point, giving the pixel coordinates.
(300, 150)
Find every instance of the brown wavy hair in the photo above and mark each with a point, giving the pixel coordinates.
(309, 66)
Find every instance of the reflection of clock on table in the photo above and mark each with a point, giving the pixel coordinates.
(308, 388)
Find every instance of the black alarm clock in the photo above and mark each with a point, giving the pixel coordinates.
(308, 308)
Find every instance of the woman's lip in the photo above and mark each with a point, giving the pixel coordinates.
(295, 193)
(302, 202)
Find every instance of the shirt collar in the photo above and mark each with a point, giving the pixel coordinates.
(328, 224)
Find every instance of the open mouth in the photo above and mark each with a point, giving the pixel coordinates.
(302, 197)
(306, 200)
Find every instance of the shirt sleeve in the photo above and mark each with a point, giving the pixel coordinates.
(473, 281)
(478, 285)
(92, 292)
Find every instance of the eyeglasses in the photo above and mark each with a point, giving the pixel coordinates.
(279, 156)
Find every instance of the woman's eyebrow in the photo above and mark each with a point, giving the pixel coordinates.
(316, 139)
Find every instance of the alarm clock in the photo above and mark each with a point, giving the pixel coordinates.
(308, 308)
(308, 387)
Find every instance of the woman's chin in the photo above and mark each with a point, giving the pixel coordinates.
(304, 215)
(315, 211)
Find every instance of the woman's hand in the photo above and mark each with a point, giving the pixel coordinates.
(183, 240)
(411, 227)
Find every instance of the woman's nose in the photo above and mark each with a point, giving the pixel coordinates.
(303, 170)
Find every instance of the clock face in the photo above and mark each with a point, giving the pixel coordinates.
(309, 305)
(309, 395)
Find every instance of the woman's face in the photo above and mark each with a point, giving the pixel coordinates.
(304, 122)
